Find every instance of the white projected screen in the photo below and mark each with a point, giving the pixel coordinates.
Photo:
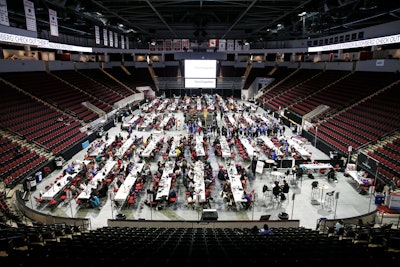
(200, 83)
(200, 73)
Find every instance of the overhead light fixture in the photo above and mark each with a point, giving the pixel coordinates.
(302, 14)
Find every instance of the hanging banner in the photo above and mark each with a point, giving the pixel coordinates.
(185, 44)
(160, 45)
(97, 34)
(177, 44)
(230, 45)
(115, 39)
(53, 22)
(212, 43)
(111, 38)
(4, 13)
(168, 45)
(105, 37)
(127, 42)
(238, 45)
(122, 42)
(221, 45)
(30, 16)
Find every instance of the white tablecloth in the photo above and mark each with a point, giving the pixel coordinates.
(124, 189)
(236, 184)
(61, 183)
(198, 180)
(316, 166)
(226, 151)
(125, 146)
(165, 182)
(199, 146)
(299, 148)
(270, 144)
(150, 147)
(249, 148)
(85, 194)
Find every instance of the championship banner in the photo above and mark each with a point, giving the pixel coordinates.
(127, 42)
(230, 45)
(185, 44)
(177, 44)
(122, 42)
(4, 13)
(238, 45)
(30, 16)
(53, 22)
(168, 45)
(115, 39)
(212, 43)
(105, 37)
(111, 38)
(221, 45)
(160, 45)
(97, 34)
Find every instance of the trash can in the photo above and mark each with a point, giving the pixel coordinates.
(283, 216)
(59, 162)
(38, 177)
(379, 199)
(120, 217)
(31, 183)
(209, 215)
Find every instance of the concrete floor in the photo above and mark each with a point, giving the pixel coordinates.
(299, 205)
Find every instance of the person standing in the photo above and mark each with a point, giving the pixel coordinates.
(285, 187)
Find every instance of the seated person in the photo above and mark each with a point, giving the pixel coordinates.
(246, 204)
(339, 227)
(172, 193)
(70, 169)
(331, 174)
(265, 230)
(94, 201)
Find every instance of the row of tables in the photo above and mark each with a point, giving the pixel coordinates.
(226, 151)
(102, 174)
(270, 144)
(124, 190)
(172, 151)
(199, 146)
(299, 148)
(198, 181)
(236, 185)
(164, 185)
(151, 146)
(57, 187)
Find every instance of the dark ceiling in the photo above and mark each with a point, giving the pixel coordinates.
(252, 20)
